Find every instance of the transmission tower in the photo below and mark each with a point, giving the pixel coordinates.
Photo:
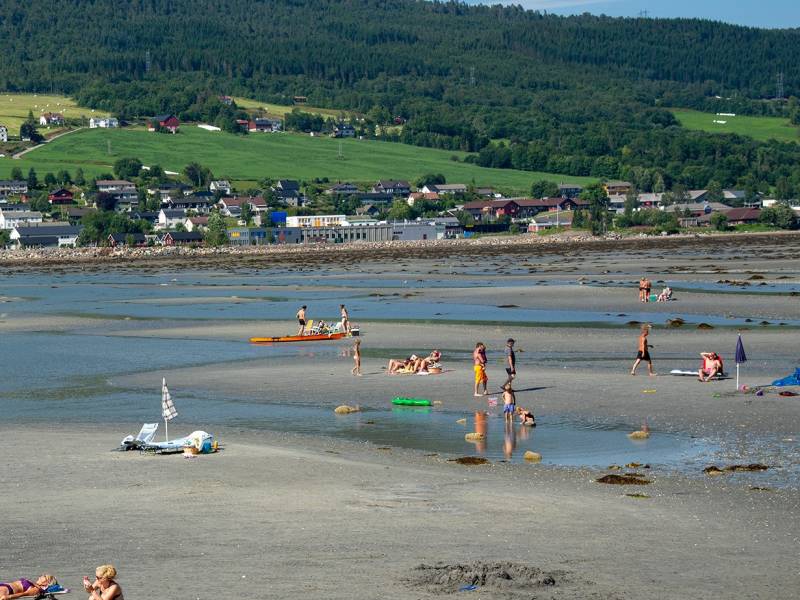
(779, 92)
(147, 61)
(643, 14)
(472, 76)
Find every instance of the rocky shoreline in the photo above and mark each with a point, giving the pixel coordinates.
(45, 258)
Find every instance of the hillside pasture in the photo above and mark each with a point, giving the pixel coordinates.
(759, 128)
(253, 157)
(14, 108)
(279, 111)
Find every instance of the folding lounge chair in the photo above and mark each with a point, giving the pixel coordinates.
(143, 438)
(52, 592)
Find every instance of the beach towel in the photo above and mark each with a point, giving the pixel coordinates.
(793, 379)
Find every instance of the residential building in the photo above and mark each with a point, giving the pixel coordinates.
(196, 223)
(489, 210)
(343, 130)
(393, 188)
(9, 219)
(123, 191)
(182, 238)
(550, 220)
(13, 187)
(55, 235)
(60, 197)
(226, 100)
(288, 192)
(167, 191)
(374, 198)
(169, 218)
(315, 220)
(529, 207)
(221, 185)
(103, 122)
(166, 122)
(49, 118)
(201, 202)
(149, 216)
(445, 188)
(569, 190)
(3, 133)
(617, 187)
(264, 125)
(342, 189)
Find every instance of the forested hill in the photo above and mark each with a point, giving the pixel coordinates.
(588, 90)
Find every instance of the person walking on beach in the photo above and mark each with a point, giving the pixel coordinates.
(301, 319)
(356, 370)
(479, 366)
(641, 289)
(647, 287)
(345, 319)
(511, 361)
(643, 353)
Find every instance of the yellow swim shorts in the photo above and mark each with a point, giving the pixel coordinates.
(480, 374)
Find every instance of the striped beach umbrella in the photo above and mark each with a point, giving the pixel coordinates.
(167, 407)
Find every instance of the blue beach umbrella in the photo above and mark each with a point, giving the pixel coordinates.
(741, 357)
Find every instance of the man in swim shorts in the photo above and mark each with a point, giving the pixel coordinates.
(479, 366)
(643, 353)
(301, 319)
(511, 360)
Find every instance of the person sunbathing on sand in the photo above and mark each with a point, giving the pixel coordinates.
(402, 366)
(712, 366)
(430, 361)
(24, 588)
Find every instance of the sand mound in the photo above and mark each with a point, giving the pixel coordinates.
(509, 579)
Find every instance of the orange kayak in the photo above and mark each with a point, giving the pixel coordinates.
(318, 337)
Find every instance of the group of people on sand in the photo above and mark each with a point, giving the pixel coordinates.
(711, 366)
(510, 407)
(321, 326)
(645, 288)
(416, 364)
(104, 586)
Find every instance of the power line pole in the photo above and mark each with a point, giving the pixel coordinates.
(779, 92)
(147, 63)
(472, 77)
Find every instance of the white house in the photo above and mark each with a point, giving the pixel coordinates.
(56, 234)
(3, 133)
(196, 223)
(103, 122)
(221, 185)
(9, 219)
(169, 218)
(444, 188)
(315, 220)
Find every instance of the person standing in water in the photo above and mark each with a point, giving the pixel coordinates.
(643, 352)
(345, 319)
(356, 370)
(301, 319)
(479, 366)
(511, 360)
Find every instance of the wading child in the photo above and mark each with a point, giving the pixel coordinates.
(509, 403)
(526, 417)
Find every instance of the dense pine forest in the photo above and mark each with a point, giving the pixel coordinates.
(583, 95)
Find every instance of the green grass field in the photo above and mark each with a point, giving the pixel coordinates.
(14, 108)
(256, 156)
(760, 128)
(279, 111)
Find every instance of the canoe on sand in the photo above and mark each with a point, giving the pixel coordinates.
(317, 337)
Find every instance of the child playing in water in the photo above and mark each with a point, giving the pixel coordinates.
(526, 417)
(509, 403)
(356, 370)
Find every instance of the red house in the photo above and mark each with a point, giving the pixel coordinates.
(182, 238)
(60, 197)
(488, 210)
(167, 122)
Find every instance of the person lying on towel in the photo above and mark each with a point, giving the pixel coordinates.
(24, 588)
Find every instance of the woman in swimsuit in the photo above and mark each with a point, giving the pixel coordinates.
(22, 588)
(104, 586)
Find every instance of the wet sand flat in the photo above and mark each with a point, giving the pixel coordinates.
(290, 515)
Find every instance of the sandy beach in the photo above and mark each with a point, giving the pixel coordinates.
(311, 511)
